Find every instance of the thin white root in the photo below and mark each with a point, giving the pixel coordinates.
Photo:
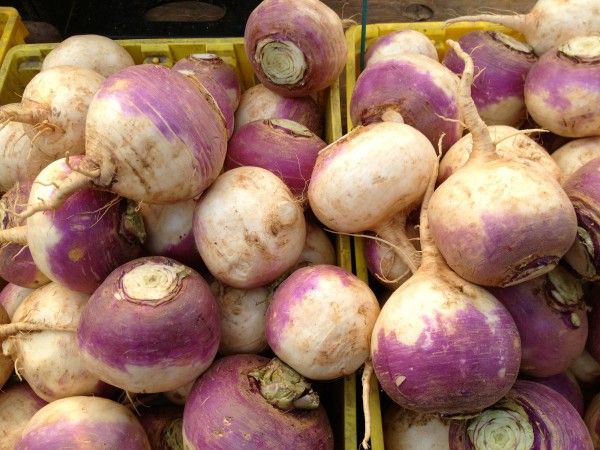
(24, 327)
(519, 132)
(15, 235)
(366, 388)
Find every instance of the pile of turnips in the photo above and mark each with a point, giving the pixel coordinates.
(171, 283)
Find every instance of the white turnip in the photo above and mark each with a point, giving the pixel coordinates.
(401, 42)
(575, 154)
(12, 296)
(18, 404)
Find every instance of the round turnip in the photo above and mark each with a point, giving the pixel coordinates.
(575, 154)
(566, 385)
(18, 404)
(401, 42)
(12, 296)
(409, 430)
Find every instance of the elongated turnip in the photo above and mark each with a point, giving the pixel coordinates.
(20, 160)
(152, 326)
(552, 320)
(575, 154)
(370, 179)
(208, 65)
(12, 296)
(401, 42)
(16, 262)
(260, 103)
(418, 88)
(284, 411)
(496, 221)
(41, 341)
(90, 51)
(169, 231)
(242, 314)
(296, 47)
(18, 404)
(54, 108)
(81, 423)
(248, 227)
(562, 90)
(320, 322)
(501, 63)
(286, 148)
(566, 385)
(164, 427)
(442, 344)
(136, 138)
(530, 416)
(549, 23)
(409, 430)
(510, 143)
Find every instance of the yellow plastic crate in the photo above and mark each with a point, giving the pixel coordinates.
(12, 30)
(23, 62)
(438, 32)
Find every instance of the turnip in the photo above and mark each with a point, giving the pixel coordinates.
(296, 47)
(83, 423)
(552, 320)
(83, 240)
(16, 262)
(416, 87)
(318, 248)
(562, 90)
(248, 227)
(319, 322)
(245, 401)
(401, 42)
(286, 148)
(496, 221)
(510, 144)
(549, 23)
(164, 427)
(586, 370)
(90, 51)
(583, 188)
(501, 63)
(169, 231)
(151, 326)
(531, 416)
(6, 364)
(136, 138)
(41, 341)
(370, 179)
(566, 385)
(575, 154)
(410, 430)
(54, 106)
(260, 103)
(12, 296)
(442, 344)
(18, 404)
(20, 160)
(208, 65)
(242, 315)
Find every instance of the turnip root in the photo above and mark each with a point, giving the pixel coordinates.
(90, 51)
(286, 148)
(54, 108)
(410, 430)
(319, 322)
(501, 63)
(245, 401)
(242, 315)
(152, 326)
(208, 65)
(318, 248)
(566, 385)
(442, 344)
(549, 23)
(496, 221)
(296, 47)
(169, 231)
(6, 364)
(41, 341)
(18, 404)
(510, 144)
(12, 296)
(164, 427)
(83, 423)
(401, 42)
(562, 90)
(370, 179)
(417, 88)
(20, 160)
(260, 103)
(248, 227)
(16, 262)
(575, 154)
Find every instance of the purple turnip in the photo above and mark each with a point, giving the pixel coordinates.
(401, 42)
(566, 385)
